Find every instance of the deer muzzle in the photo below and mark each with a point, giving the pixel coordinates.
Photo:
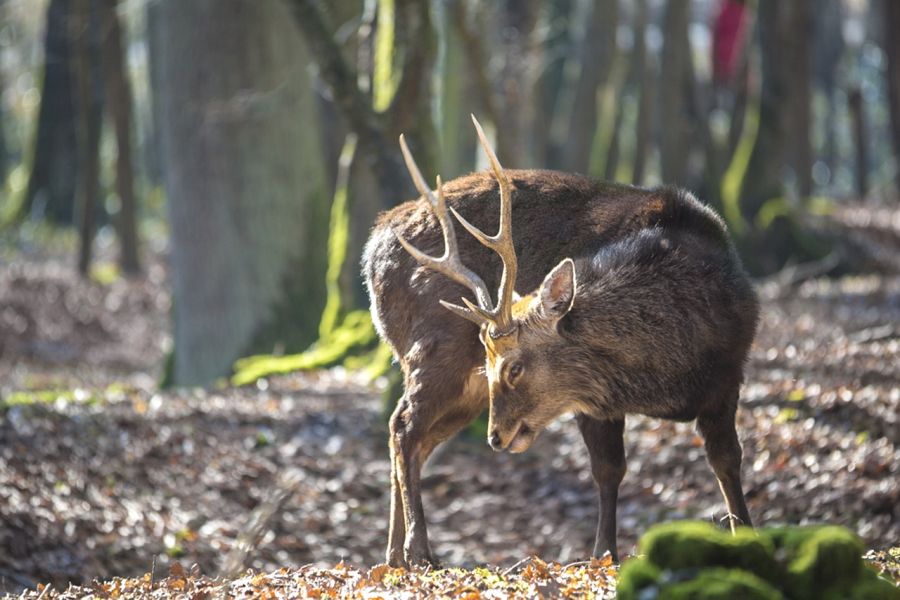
(517, 441)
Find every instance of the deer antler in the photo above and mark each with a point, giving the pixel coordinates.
(449, 263)
(501, 243)
(499, 317)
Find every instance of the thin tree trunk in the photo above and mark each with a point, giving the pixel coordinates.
(244, 180)
(477, 58)
(89, 102)
(675, 94)
(892, 50)
(595, 61)
(763, 179)
(550, 81)
(518, 80)
(456, 151)
(118, 93)
(860, 141)
(384, 159)
(4, 149)
(52, 179)
(797, 55)
(827, 49)
(643, 65)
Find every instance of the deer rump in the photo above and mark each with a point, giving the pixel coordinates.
(661, 322)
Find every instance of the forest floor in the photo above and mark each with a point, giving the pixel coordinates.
(102, 474)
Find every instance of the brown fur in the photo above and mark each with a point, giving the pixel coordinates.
(661, 323)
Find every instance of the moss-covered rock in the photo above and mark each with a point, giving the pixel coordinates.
(829, 558)
(717, 583)
(635, 576)
(693, 545)
(696, 560)
(872, 587)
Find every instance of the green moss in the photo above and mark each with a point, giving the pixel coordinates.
(830, 557)
(733, 179)
(721, 584)
(338, 235)
(872, 587)
(37, 397)
(694, 545)
(12, 195)
(696, 560)
(356, 334)
(105, 273)
(636, 575)
(386, 78)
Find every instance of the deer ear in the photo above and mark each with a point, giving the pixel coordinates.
(558, 290)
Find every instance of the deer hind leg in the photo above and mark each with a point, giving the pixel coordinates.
(397, 531)
(606, 447)
(424, 417)
(723, 451)
(408, 538)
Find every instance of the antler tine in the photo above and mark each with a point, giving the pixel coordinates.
(476, 317)
(449, 263)
(502, 242)
(415, 173)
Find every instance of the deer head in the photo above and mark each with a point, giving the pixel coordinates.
(519, 334)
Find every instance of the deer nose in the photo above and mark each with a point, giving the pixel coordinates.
(494, 440)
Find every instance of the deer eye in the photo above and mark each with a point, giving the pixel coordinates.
(515, 370)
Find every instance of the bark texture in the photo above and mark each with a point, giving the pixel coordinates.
(51, 183)
(244, 180)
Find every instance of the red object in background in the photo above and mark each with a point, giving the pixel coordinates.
(729, 31)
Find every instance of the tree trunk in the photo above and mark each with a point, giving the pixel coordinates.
(595, 62)
(892, 50)
(4, 149)
(518, 80)
(478, 57)
(763, 179)
(797, 57)
(244, 178)
(550, 82)
(118, 93)
(52, 181)
(827, 50)
(643, 66)
(676, 127)
(86, 33)
(860, 140)
(458, 148)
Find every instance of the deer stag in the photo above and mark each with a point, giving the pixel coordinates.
(640, 305)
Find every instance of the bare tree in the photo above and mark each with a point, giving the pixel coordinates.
(643, 68)
(51, 183)
(595, 64)
(676, 81)
(892, 50)
(89, 102)
(118, 92)
(796, 41)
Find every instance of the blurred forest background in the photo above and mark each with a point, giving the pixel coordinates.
(215, 129)
(187, 186)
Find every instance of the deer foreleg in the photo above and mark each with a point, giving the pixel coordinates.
(606, 447)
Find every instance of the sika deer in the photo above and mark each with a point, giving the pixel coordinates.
(639, 305)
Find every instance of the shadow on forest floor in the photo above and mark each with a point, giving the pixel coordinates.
(116, 476)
